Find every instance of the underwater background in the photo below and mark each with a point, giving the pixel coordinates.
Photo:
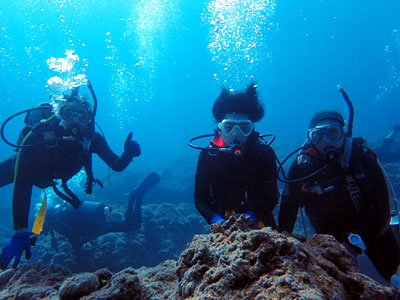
(157, 66)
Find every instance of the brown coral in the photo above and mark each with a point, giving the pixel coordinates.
(238, 263)
(77, 286)
(233, 262)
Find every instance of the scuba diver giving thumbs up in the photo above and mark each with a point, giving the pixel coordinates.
(58, 140)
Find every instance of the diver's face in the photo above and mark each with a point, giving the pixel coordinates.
(74, 118)
(235, 128)
(327, 137)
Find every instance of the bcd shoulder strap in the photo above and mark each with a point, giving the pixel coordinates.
(34, 117)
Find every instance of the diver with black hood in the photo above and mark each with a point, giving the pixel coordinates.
(93, 219)
(236, 174)
(56, 143)
(343, 188)
(389, 151)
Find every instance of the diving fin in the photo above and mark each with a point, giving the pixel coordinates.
(40, 217)
(146, 185)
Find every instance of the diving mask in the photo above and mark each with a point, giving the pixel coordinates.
(74, 113)
(227, 126)
(332, 132)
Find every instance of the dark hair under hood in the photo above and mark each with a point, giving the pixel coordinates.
(241, 102)
(326, 115)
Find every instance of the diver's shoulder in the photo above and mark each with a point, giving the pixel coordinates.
(97, 137)
(361, 149)
(261, 145)
(306, 158)
(262, 151)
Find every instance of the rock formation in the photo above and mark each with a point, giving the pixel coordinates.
(234, 261)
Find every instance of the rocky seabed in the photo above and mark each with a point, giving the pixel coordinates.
(234, 261)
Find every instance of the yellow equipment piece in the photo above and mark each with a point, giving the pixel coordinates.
(260, 224)
(41, 215)
(229, 213)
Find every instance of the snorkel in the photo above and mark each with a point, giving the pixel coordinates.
(348, 142)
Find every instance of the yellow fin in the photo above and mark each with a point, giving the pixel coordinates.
(260, 224)
(41, 215)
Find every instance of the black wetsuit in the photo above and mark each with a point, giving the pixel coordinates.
(331, 209)
(58, 159)
(225, 183)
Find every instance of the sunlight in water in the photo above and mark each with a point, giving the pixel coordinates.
(71, 75)
(146, 36)
(77, 186)
(43, 27)
(392, 55)
(237, 37)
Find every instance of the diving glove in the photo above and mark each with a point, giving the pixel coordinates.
(131, 147)
(252, 216)
(395, 280)
(19, 243)
(217, 219)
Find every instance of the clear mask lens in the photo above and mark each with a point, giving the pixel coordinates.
(334, 133)
(228, 126)
(73, 113)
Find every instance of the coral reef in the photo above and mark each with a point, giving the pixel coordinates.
(78, 286)
(234, 261)
(32, 281)
(165, 231)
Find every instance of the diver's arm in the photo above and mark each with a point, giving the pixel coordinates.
(7, 171)
(264, 193)
(132, 219)
(21, 201)
(388, 140)
(376, 215)
(100, 147)
(290, 203)
(202, 188)
(288, 211)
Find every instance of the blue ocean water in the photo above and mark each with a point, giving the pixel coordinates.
(158, 65)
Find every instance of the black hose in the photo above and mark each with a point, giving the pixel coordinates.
(100, 129)
(351, 111)
(12, 117)
(197, 138)
(94, 104)
(281, 169)
(73, 202)
(268, 134)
